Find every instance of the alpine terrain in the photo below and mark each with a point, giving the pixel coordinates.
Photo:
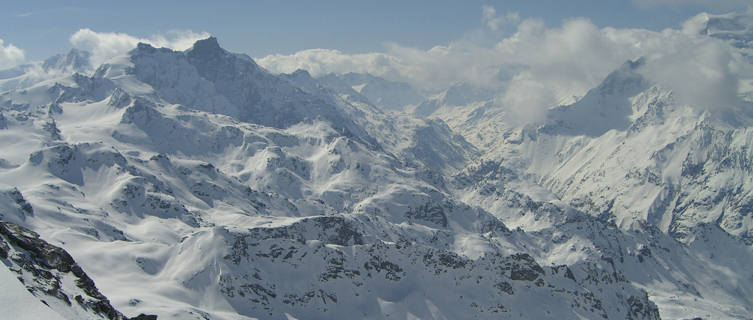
(197, 185)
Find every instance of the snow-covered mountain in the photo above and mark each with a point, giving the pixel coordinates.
(735, 27)
(195, 184)
(54, 67)
(457, 95)
(385, 94)
(627, 154)
(627, 150)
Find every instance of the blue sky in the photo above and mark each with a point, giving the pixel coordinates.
(260, 28)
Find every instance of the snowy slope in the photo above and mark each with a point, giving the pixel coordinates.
(682, 279)
(18, 303)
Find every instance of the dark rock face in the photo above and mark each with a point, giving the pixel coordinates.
(433, 214)
(524, 267)
(641, 310)
(22, 203)
(41, 267)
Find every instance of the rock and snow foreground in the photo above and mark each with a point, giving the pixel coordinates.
(48, 277)
(196, 185)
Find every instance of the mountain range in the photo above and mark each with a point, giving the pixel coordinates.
(197, 185)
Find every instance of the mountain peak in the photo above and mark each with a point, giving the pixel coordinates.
(734, 27)
(626, 80)
(609, 103)
(210, 42)
(206, 47)
(143, 47)
(75, 59)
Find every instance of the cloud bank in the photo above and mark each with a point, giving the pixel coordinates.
(323, 61)
(10, 55)
(539, 66)
(106, 45)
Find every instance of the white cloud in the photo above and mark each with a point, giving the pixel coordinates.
(565, 61)
(572, 57)
(323, 61)
(526, 98)
(550, 64)
(492, 21)
(106, 45)
(10, 55)
(702, 72)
